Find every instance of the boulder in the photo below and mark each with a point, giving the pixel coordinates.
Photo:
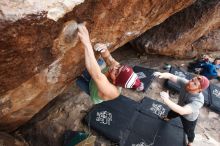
(9, 140)
(208, 43)
(175, 36)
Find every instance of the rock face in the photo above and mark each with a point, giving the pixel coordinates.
(8, 140)
(209, 42)
(38, 60)
(176, 35)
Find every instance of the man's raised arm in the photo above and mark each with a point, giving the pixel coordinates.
(166, 75)
(102, 49)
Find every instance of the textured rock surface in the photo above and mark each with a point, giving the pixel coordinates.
(8, 140)
(36, 63)
(209, 42)
(13, 10)
(175, 36)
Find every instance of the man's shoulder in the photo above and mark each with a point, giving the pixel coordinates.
(198, 98)
(196, 102)
(182, 81)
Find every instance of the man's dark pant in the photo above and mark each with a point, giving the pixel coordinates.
(188, 126)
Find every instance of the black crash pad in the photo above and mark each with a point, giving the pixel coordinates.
(131, 124)
(149, 129)
(145, 75)
(120, 110)
(156, 110)
(154, 132)
(173, 86)
(215, 98)
(206, 94)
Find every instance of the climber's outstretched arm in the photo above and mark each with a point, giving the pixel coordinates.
(106, 55)
(106, 90)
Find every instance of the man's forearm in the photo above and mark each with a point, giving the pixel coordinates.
(172, 77)
(175, 107)
(108, 58)
(90, 61)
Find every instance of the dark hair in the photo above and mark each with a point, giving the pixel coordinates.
(217, 59)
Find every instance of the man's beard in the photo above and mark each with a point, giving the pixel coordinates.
(190, 89)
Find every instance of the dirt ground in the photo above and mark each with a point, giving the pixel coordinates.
(68, 109)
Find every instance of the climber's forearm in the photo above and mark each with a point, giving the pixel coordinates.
(108, 58)
(91, 63)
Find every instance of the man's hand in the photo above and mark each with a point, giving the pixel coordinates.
(157, 74)
(84, 35)
(141, 87)
(164, 95)
(182, 110)
(99, 47)
(162, 75)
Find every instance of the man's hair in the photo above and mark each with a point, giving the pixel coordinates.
(216, 59)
